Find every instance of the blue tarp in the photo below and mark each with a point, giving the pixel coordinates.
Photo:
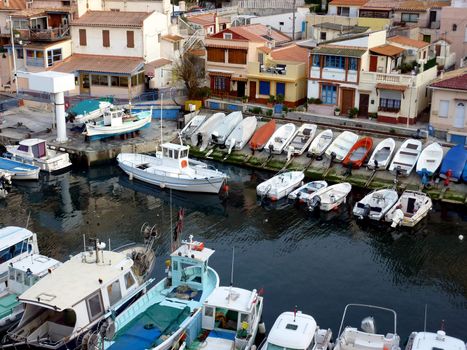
(14, 166)
(454, 160)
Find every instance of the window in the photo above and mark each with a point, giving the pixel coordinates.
(353, 63)
(105, 38)
(19, 53)
(409, 17)
(123, 81)
(315, 61)
(209, 311)
(228, 36)
(23, 148)
(53, 56)
(424, 54)
(443, 108)
(261, 58)
(34, 58)
(129, 280)
(114, 292)
(280, 89)
(264, 88)
(281, 23)
(454, 27)
(82, 37)
(95, 308)
(237, 56)
(130, 39)
(220, 83)
(322, 36)
(216, 54)
(389, 105)
(334, 62)
(329, 94)
(102, 80)
(343, 11)
(177, 46)
(20, 24)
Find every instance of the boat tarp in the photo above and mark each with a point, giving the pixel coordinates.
(87, 106)
(146, 329)
(454, 160)
(7, 304)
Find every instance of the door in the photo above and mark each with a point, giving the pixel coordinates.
(84, 85)
(459, 118)
(252, 90)
(373, 63)
(363, 105)
(240, 88)
(347, 100)
(432, 17)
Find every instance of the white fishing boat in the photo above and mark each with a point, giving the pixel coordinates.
(381, 156)
(330, 197)
(303, 193)
(430, 159)
(19, 170)
(223, 129)
(202, 136)
(281, 138)
(281, 185)
(410, 209)
(320, 143)
(429, 340)
(192, 126)
(297, 331)
(117, 122)
(341, 146)
(303, 138)
(38, 153)
(406, 157)
(171, 168)
(242, 133)
(366, 338)
(375, 204)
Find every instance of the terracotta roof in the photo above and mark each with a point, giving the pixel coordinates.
(29, 13)
(13, 5)
(292, 53)
(264, 49)
(387, 50)
(402, 40)
(260, 33)
(339, 51)
(391, 87)
(111, 19)
(456, 79)
(161, 62)
(224, 44)
(99, 63)
(348, 2)
(44, 45)
(172, 37)
(206, 19)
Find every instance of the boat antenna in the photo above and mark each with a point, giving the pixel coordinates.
(162, 97)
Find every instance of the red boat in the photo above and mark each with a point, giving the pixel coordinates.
(262, 135)
(358, 153)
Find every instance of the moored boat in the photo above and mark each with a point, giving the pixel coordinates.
(430, 159)
(223, 129)
(381, 156)
(87, 110)
(192, 126)
(429, 340)
(410, 209)
(262, 135)
(320, 143)
(303, 193)
(375, 204)
(281, 138)
(358, 153)
(406, 157)
(242, 133)
(302, 139)
(330, 197)
(453, 163)
(341, 146)
(281, 185)
(19, 170)
(202, 136)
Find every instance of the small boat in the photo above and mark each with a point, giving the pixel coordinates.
(223, 129)
(352, 338)
(87, 110)
(341, 146)
(281, 138)
(303, 193)
(19, 170)
(375, 204)
(430, 159)
(117, 122)
(239, 137)
(192, 126)
(429, 340)
(410, 209)
(453, 163)
(303, 138)
(330, 197)
(173, 169)
(296, 330)
(262, 135)
(358, 153)
(280, 185)
(321, 142)
(382, 154)
(202, 136)
(37, 152)
(406, 157)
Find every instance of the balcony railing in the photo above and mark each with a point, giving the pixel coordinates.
(281, 70)
(395, 79)
(50, 34)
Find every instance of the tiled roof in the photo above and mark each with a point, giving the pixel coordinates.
(27, 13)
(402, 40)
(456, 79)
(111, 19)
(100, 64)
(264, 49)
(13, 5)
(206, 19)
(161, 62)
(260, 33)
(172, 37)
(408, 5)
(348, 2)
(339, 51)
(391, 87)
(292, 53)
(387, 50)
(224, 44)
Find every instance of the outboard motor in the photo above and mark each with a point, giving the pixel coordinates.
(215, 136)
(365, 211)
(271, 148)
(368, 325)
(333, 156)
(397, 218)
(3, 150)
(314, 202)
(199, 139)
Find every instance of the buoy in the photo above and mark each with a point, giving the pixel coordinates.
(461, 237)
(262, 328)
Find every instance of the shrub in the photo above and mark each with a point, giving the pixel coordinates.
(271, 98)
(269, 112)
(285, 109)
(373, 115)
(353, 112)
(280, 98)
(337, 109)
(318, 101)
(256, 110)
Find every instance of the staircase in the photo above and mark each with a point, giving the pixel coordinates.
(196, 37)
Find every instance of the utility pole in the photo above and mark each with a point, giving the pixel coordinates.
(293, 20)
(12, 39)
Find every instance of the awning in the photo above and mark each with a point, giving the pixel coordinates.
(387, 50)
(239, 77)
(400, 88)
(220, 74)
(150, 67)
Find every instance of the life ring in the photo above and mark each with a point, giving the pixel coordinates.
(184, 163)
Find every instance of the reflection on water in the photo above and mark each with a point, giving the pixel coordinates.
(318, 261)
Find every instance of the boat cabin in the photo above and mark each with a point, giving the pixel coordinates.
(114, 117)
(177, 153)
(15, 243)
(32, 148)
(430, 341)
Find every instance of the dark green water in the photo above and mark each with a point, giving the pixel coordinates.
(319, 262)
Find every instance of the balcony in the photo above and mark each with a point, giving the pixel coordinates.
(393, 79)
(276, 71)
(50, 34)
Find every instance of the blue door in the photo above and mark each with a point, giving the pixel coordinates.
(280, 89)
(329, 94)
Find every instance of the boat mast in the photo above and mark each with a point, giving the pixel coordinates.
(162, 97)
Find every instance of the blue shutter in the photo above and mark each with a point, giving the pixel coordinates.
(264, 88)
(280, 89)
(303, 26)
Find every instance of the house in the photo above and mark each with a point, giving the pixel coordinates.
(210, 23)
(445, 57)
(345, 8)
(415, 50)
(449, 104)
(282, 71)
(453, 28)
(228, 54)
(7, 8)
(330, 31)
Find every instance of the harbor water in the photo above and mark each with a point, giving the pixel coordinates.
(317, 262)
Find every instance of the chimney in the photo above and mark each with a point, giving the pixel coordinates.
(216, 23)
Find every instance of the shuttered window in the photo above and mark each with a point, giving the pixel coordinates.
(237, 56)
(443, 108)
(82, 37)
(264, 88)
(130, 39)
(216, 54)
(105, 38)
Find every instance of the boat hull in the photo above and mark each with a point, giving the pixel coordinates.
(96, 132)
(18, 170)
(262, 135)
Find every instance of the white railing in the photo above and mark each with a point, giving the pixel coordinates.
(270, 4)
(197, 36)
(227, 10)
(397, 79)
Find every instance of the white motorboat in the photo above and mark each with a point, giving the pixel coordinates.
(429, 340)
(242, 133)
(410, 209)
(330, 197)
(381, 156)
(406, 157)
(430, 159)
(375, 204)
(297, 331)
(38, 153)
(320, 143)
(281, 138)
(223, 129)
(172, 168)
(366, 338)
(202, 136)
(303, 193)
(116, 122)
(192, 126)
(19, 170)
(281, 185)
(303, 138)
(341, 146)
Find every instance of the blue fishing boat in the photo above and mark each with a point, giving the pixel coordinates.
(454, 163)
(18, 170)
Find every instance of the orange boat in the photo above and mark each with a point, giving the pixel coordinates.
(358, 153)
(262, 135)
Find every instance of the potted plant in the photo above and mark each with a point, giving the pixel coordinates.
(245, 99)
(372, 116)
(353, 112)
(337, 111)
(271, 100)
(280, 99)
